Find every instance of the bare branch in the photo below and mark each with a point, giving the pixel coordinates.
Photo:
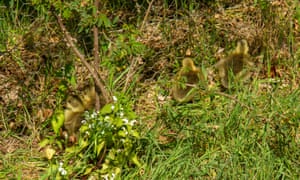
(96, 50)
(97, 79)
(147, 14)
(131, 72)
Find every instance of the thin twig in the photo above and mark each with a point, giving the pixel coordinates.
(146, 16)
(96, 50)
(232, 98)
(130, 73)
(223, 94)
(97, 79)
(99, 163)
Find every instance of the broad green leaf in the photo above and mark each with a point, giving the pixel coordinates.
(122, 133)
(84, 128)
(107, 109)
(135, 134)
(131, 115)
(118, 122)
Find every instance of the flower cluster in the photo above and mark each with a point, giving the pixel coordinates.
(111, 133)
(61, 170)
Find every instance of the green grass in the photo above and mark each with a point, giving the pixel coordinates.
(223, 140)
(255, 136)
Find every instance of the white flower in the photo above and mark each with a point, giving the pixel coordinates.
(105, 177)
(61, 164)
(106, 118)
(115, 99)
(132, 122)
(121, 114)
(124, 129)
(87, 115)
(113, 176)
(112, 107)
(63, 173)
(83, 121)
(94, 115)
(125, 120)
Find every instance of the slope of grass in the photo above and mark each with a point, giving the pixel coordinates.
(254, 135)
(223, 140)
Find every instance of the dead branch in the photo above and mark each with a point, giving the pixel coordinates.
(97, 79)
(96, 50)
(146, 16)
(130, 74)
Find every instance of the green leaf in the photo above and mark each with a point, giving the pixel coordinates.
(84, 128)
(57, 121)
(131, 115)
(135, 160)
(106, 109)
(122, 133)
(100, 147)
(135, 134)
(73, 80)
(83, 143)
(44, 142)
(104, 20)
(88, 170)
(59, 144)
(118, 122)
(111, 155)
(115, 20)
(67, 13)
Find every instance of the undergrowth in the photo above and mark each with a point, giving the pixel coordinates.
(253, 134)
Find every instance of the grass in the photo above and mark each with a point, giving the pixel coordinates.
(223, 140)
(255, 136)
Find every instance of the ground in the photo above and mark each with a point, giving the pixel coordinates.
(255, 132)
